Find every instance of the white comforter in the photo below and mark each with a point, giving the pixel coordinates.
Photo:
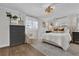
(59, 39)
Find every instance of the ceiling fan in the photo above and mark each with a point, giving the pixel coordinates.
(49, 9)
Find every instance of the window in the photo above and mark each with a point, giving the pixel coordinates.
(31, 24)
(34, 24)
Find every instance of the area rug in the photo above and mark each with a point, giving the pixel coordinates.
(51, 50)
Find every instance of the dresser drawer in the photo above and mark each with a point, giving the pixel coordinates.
(17, 35)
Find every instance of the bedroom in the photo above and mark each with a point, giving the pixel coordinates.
(50, 28)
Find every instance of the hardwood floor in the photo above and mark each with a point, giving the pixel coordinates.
(21, 50)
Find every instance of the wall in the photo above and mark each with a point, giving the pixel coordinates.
(4, 29)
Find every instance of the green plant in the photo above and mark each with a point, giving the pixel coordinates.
(9, 15)
(15, 17)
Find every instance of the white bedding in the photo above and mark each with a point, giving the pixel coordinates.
(59, 39)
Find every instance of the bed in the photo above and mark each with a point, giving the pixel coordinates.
(61, 39)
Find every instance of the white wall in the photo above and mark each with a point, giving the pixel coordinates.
(4, 30)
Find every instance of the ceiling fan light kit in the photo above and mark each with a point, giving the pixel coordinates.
(49, 10)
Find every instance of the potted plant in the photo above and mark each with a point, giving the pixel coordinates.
(9, 15)
(15, 17)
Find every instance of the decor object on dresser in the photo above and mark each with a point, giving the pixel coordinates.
(14, 19)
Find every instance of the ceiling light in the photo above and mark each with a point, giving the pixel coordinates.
(49, 10)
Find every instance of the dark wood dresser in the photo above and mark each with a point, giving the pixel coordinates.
(17, 35)
(75, 36)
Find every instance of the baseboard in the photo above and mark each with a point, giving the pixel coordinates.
(6, 45)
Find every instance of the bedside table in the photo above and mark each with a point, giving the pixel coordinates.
(75, 37)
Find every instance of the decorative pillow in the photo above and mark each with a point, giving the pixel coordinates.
(60, 28)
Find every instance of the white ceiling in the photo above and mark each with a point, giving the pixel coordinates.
(37, 9)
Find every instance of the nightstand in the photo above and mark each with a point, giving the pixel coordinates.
(75, 37)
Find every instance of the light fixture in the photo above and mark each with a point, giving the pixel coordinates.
(49, 10)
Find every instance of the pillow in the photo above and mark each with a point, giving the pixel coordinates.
(66, 28)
